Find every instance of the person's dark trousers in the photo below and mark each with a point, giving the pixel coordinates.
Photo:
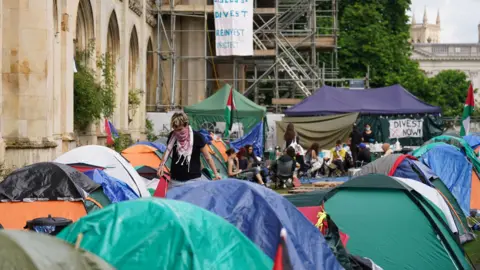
(340, 166)
(354, 149)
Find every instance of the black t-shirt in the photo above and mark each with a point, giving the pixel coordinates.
(356, 138)
(181, 172)
(368, 138)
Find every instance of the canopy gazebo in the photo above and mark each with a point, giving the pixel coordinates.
(212, 110)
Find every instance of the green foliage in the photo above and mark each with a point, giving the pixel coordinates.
(133, 102)
(375, 34)
(122, 142)
(93, 97)
(448, 89)
(149, 129)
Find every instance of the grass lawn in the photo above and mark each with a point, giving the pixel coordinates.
(473, 250)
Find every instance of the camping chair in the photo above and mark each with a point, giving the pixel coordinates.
(283, 174)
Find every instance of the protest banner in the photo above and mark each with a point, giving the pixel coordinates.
(406, 128)
(233, 27)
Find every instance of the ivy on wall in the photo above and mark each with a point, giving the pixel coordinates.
(134, 102)
(94, 96)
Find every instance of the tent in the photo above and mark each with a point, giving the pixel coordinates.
(212, 109)
(394, 224)
(91, 157)
(260, 214)
(142, 155)
(159, 146)
(324, 130)
(36, 251)
(391, 100)
(392, 112)
(163, 234)
(113, 188)
(44, 189)
(407, 166)
(458, 174)
(219, 146)
(473, 141)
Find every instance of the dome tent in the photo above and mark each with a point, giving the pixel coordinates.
(47, 188)
(91, 157)
(407, 166)
(393, 224)
(35, 251)
(260, 214)
(164, 234)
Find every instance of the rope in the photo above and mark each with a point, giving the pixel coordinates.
(453, 210)
(94, 201)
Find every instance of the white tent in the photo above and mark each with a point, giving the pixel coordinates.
(112, 162)
(435, 197)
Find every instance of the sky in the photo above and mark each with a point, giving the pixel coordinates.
(459, 18)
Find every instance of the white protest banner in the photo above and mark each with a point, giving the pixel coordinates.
(233, 27)
(406, 128)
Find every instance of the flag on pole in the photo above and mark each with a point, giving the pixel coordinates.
(282, 260)
(467, 112)
(230, 107)
(111, 132)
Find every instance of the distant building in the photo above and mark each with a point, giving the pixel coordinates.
(425, 32)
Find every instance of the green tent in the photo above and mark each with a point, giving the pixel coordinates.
(212, 110)
(393, 225)
(24, 250)
(164, 234)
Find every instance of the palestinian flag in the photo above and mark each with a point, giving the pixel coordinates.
(467, 112)
(230, 107)
(282, 260)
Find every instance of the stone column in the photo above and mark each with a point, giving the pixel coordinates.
(28, 81)
(122, 95)
(66, 55)
(2, 143)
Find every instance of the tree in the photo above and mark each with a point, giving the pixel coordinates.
(374, 34)
(448, 89)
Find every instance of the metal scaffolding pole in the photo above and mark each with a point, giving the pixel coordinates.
(173, 57)
(159, 100)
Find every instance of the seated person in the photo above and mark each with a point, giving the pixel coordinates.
(386, 149)
(242, 159)
(285, 166)
(234, 170)
(338, 157)
(364, 156)
(311, 158)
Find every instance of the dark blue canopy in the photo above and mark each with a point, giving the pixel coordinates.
(387, 100)
(260, 214)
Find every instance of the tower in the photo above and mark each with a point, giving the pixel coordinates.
(438, 17)
(425, 19)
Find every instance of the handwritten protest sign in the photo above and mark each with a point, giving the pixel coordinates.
(233, 27)
(406, 128)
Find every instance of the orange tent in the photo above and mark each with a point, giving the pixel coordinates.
(142, 155)
(221, 147)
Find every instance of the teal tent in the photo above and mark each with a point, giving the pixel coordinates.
(163, 234)
(212, 110)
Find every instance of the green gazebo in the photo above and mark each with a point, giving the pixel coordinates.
(212, 110)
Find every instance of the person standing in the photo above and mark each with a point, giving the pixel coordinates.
(367, 135)
(355, 140)
(290, 136)
(185, 146)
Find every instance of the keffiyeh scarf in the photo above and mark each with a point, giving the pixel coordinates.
(184, 141)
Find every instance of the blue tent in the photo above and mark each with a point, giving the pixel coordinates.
(473, 140)
(453, 167)
(254, 138)
(159, 146)
(260, 214)
(113, 188)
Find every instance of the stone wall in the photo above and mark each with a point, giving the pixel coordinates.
(38, 40)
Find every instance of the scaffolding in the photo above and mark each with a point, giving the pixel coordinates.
(295, 50)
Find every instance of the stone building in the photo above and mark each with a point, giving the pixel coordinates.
(425, 32)
(39, 40)
(434, 58)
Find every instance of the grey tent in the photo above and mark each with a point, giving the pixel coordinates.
(24, 250)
